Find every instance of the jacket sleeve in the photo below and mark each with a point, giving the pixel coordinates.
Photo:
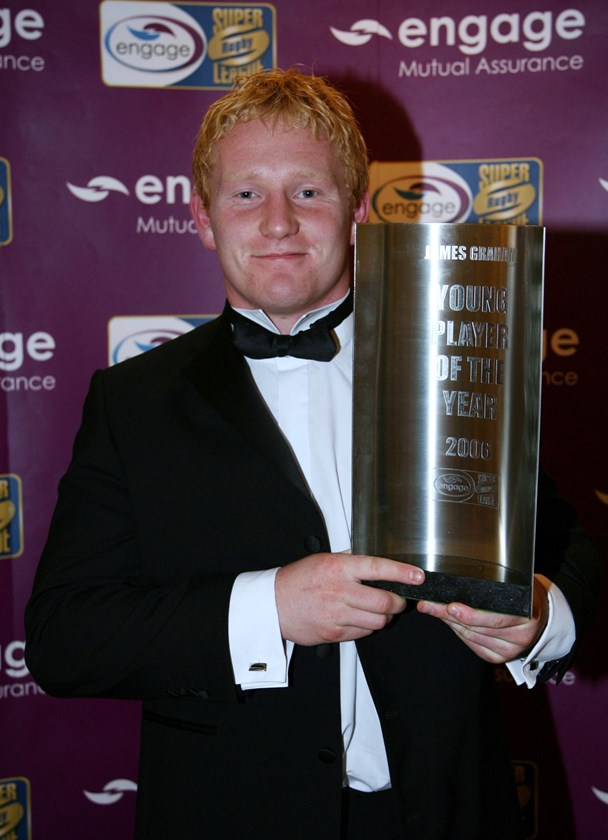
(95, 625)
(566, 554)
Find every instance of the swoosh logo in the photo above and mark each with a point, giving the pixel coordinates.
(603, 183)
(602, 795)
(417, 191)
(98, 188)
(111, 792)
(151, 32)
(140, 342)
(361, 32)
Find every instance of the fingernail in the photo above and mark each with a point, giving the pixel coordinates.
(417, 576)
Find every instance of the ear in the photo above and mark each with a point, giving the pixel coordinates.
(202, 221)
(360, 215)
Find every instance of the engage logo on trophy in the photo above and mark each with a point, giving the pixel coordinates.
(184, 45)
(11, 516)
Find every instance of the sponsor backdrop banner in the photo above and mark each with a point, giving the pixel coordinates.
(491, 112)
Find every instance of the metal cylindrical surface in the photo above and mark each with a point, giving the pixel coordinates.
(447, 374)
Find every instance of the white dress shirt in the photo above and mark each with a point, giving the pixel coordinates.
(312, 404)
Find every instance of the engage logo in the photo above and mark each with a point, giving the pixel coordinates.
(150, 190)
(154, 43)
(17, 350)
(23, 27)
(130, 336)
(468, 486)
(472, 34)
(21, 686)
(426, 47)
(193, 45)
(421, 192)
(456, 486)
(12, 660)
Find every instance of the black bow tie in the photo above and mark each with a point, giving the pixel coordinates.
(318, 342)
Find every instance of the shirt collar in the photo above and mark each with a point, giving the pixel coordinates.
(344, 330)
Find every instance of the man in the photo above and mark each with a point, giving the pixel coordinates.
(219, 595)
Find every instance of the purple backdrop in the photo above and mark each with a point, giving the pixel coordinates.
(100, 106)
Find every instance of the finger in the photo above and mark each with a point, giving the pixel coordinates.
(373, 600)
(482, 620)
(383, 568)
(490, 640)
(508, 640)
(367, 620)
(490, 654)
(491, 648)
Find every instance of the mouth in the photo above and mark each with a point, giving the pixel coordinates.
(280, 255)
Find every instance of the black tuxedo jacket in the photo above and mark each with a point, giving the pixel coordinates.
(180, 480)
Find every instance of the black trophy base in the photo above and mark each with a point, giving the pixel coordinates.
(509, 594)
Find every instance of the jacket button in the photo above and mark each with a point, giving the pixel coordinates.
(324, 651)
(327, 756)
(312, 544)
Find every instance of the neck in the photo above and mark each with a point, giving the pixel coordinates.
(285, 323)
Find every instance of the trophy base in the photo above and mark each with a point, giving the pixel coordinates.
(502, 592)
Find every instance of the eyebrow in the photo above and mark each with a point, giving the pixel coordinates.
(297, 174)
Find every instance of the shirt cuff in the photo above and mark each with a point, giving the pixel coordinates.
(556, 641)
(260, 657)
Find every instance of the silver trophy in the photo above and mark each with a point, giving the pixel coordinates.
(447, 378)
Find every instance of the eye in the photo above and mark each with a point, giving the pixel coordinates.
(246, 194)
(310, 193)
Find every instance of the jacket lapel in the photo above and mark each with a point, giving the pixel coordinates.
(224, 380)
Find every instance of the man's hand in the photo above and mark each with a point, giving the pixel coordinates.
(494, 637)
(321, 599)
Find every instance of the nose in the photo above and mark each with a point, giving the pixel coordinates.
(279, 218)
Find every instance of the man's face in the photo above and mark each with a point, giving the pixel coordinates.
(280, 220)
